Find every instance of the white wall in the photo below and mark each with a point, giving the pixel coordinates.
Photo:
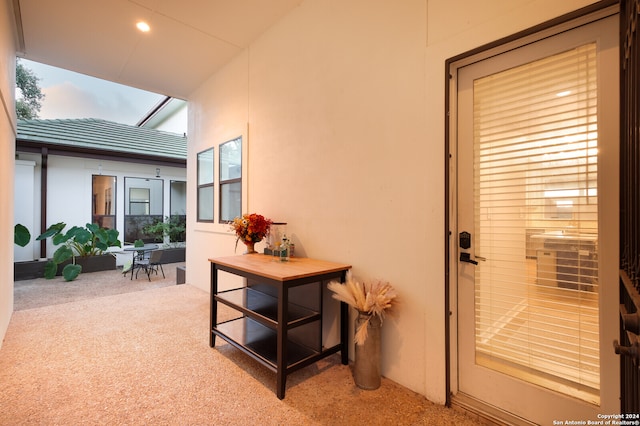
(177, 122)
(341, 109)
(70, 183)
(24, 206)
(7, 150)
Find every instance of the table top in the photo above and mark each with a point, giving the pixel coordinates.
(143, 248)
(272, 267)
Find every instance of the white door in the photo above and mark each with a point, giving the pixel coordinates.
(536, 185)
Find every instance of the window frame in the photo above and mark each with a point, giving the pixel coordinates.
(132, 229)
(110, 201)
(173, 214)
(228, 181)
(205, 185)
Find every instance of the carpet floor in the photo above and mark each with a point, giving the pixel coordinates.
(107, 350)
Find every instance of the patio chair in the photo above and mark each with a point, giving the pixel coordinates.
(139, 259)
(151, 264)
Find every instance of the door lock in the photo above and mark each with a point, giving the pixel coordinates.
(465, 240)
(466, 257)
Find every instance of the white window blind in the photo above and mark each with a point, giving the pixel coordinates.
(535, 189)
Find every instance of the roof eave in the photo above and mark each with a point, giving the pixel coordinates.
(24, 145)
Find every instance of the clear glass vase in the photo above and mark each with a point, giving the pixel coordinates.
(251, 247)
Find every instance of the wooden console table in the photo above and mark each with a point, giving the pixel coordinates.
(279, 311)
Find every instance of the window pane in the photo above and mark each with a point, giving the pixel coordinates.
(143, 207)
(139, 196)
(103, 209)
(231, 160)
(178, 211)
(205, 203)
(205, 185)
(230, 200)
(205, 167)
(535, 163)
(178, 199)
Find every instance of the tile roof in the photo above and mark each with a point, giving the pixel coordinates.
(91, 134)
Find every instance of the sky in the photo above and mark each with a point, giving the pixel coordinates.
(72, 95)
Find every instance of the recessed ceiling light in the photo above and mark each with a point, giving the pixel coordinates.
(143, 26)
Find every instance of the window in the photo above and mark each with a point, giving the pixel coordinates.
(229, 182)
(230, 179)
(143, 207)
(205, 186)
(139, 201)
(178, 210)
(103, 209)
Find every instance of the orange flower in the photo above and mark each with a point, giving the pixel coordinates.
(251, 227)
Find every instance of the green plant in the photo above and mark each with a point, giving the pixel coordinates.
(172, 228)
(91, 240)
(29, 103)
(21, 235)
(155, 230)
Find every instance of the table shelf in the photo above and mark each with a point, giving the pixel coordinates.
(261, 342)
(264, 308)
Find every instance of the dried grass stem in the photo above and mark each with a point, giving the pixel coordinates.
(372, 298)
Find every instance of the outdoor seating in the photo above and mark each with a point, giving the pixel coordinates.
(151, 264)
(140, 258)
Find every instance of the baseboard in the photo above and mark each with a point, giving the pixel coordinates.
(487, 414)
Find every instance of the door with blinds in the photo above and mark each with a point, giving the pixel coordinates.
(536, 226)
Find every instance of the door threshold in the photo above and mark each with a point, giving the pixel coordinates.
(487, 414)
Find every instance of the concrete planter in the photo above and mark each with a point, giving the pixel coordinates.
(105, 262)
(173, 255)
(28, 270)
(35, 268)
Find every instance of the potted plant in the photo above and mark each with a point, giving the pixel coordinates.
(82, 248)
(250, 229)
(171, 233)
(371, 300)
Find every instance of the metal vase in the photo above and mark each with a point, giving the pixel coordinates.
(367, 365)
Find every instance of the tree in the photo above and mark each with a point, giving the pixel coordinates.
(28, 105)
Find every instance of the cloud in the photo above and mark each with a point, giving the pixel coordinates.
(67, 100)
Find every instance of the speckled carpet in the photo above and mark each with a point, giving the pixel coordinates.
(82, 353)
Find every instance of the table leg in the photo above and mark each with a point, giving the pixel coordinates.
(344, 326)
(133, 264)
(213, 319)
(344, 333)
(281, 371)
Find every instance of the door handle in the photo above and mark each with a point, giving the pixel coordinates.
(630, 351)
(630, 322)
(466, 257)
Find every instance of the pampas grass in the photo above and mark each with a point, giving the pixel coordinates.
(372, 298)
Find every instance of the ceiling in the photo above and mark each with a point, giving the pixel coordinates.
(189, 39)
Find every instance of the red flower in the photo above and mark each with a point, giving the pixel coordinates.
(251, 227)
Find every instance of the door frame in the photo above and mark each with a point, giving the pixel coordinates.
(604, 8)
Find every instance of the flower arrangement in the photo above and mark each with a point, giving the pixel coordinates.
(372, 298)
(251, 228)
